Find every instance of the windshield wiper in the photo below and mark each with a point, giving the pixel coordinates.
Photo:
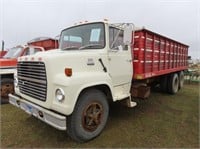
(71, 48)
(91, 46)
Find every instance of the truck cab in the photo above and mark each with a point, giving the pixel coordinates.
(92, 67)
(101, 47)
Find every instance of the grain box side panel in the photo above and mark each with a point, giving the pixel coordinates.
(155, 55)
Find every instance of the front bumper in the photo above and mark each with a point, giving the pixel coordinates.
(56, 120)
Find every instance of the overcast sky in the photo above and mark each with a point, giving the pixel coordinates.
(23, 20)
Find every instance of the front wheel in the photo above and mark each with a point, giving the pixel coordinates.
(89, 116)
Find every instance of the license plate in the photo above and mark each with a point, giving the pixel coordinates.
(29, 108)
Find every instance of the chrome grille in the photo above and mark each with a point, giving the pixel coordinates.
(32, 79)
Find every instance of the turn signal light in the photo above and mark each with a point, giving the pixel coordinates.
(68, 72)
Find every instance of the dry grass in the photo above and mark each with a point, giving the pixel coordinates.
(161, 121)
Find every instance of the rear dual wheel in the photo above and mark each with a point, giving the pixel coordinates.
(164, 84)
(181, 79)
(173, 85)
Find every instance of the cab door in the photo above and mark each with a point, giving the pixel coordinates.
(120, 63)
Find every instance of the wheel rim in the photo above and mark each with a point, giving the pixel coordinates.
(92, 116)
(6, 89)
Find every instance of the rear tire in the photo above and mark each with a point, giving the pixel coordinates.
(89, 116)
(173, 83)
(181, 79)
(164, 84)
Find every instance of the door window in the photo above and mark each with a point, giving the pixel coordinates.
(115, 38)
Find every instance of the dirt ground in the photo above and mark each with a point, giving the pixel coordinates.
(162, 121)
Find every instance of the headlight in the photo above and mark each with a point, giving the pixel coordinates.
(60, 94)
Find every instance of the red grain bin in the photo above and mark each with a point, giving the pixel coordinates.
(154, 55)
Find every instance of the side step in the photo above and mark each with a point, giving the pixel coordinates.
(129, 103)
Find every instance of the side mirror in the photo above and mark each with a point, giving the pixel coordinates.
(128, 33)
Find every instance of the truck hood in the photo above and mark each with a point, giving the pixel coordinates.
(82, 62)
(43, 54)
(7, 63)
(58, 54)
(79, 60)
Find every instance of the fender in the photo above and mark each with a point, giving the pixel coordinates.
(73, 86)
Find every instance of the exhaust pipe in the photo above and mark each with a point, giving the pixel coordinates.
(2, 45)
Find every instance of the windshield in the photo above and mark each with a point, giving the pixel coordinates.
(87, 36)
(13, 53)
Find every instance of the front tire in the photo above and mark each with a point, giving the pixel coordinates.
(89, 116)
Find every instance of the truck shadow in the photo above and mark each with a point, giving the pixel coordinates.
(119, 111)
(44, 133)
(119, 115)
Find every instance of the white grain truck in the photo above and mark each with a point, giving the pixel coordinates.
(70, 88)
